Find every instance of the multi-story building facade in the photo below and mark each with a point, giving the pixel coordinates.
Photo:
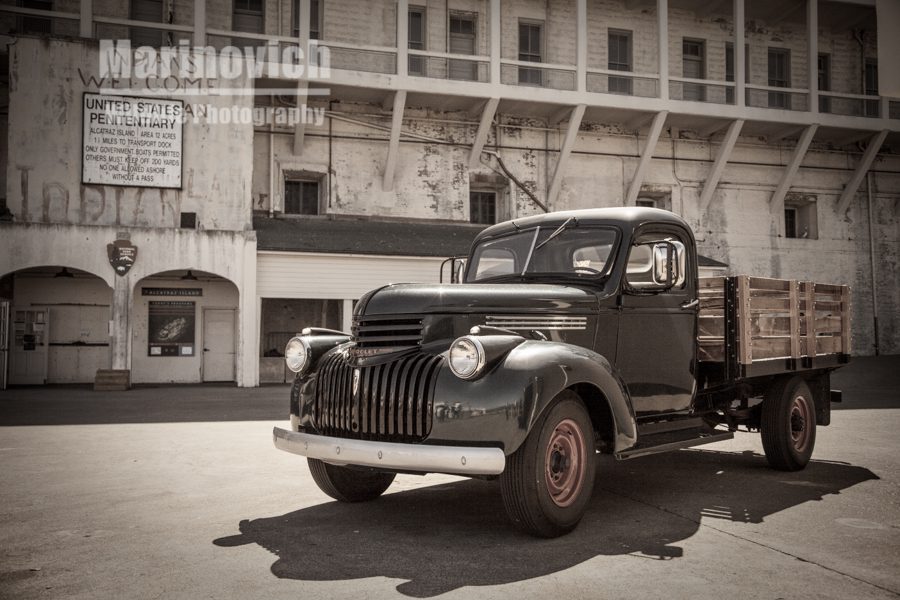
(417, 123)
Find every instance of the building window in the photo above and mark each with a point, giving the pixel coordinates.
(653, 197)
(779, 76)
(315, 19)
(462, 41)
(824, 82)
(301, 197)
(248, 16)
(188, 220)
(800, 217)
(146, 10)
(620, 60)
(483, 208)
(530, 39)
(693, 58)
(28, 24)
(871, 106)
(417, 39)
(790, 222)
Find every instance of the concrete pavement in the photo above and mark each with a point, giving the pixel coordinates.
(177, 492)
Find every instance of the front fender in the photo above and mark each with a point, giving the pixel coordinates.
(502, 405)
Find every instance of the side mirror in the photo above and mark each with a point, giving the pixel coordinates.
(459, 272)
(457, 269)
(665, 266)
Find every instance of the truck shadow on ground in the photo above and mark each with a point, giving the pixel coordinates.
(447, 536)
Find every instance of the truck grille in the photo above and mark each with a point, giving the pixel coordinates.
(387, 402)
(379, 336)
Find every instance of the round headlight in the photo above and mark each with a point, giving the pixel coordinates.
(467, 357)
(296, 354)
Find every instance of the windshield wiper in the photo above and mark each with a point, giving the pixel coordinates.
(558, 231)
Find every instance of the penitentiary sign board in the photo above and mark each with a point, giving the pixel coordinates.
(132, 141)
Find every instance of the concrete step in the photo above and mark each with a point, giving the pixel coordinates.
(112, 380)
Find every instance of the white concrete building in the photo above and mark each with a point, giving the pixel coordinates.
(759, 122)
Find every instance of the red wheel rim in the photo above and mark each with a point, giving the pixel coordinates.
(564, 464)
(801, 418)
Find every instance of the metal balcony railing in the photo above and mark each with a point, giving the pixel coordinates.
(443, 65)
(347, 56)
(607, 81)
(534, 74)
(778, 98)
(701, 90)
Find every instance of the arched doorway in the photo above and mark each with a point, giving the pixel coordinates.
(184, 328)
(57, 325)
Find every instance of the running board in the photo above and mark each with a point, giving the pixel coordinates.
(666, 443)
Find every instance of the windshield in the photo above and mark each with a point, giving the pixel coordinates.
(574, 251)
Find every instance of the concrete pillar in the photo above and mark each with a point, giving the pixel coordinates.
(740, 75)
(402, 37)
(812, 30)
(662, 15)
(495, 42)
(120, 323)
(248, 319)
(199, 23)
(581, 46)
(347, 315)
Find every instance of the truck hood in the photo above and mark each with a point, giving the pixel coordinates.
(410, 298)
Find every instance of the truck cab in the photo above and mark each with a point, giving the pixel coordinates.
(570, 334)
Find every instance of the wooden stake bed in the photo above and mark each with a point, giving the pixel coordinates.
(787, 324)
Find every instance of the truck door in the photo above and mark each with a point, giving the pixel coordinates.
(657, 328)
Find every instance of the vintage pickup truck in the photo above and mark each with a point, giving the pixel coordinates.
(569, 334)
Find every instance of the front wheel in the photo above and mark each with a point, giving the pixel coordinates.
(349, 485)
(788, 424)
(548, 481)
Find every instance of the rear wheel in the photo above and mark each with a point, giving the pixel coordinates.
(349, 485)
(548, 481)
(788, 424)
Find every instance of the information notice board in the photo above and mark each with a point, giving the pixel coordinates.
(132, 141)
(170, 328)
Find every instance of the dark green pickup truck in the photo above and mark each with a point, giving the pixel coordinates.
(568, 334)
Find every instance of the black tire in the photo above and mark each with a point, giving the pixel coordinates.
(349, 485)
(548, 481)
(788, 424)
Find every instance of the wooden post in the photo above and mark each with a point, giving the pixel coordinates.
(810, 319)
(846, 339)
(794, 295)
(745, 353)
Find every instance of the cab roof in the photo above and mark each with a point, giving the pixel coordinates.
(627, 218)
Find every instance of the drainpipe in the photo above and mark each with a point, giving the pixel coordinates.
(272, 167)
(872, 260)
(330, 152)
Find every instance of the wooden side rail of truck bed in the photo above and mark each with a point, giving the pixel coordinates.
(756, 325)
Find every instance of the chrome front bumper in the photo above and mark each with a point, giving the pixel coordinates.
(391, 456)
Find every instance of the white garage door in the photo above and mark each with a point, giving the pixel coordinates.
(334, 276)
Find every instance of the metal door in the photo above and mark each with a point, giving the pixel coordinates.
(657, 335)
(218, 344)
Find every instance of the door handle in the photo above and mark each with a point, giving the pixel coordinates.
(691, 304)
